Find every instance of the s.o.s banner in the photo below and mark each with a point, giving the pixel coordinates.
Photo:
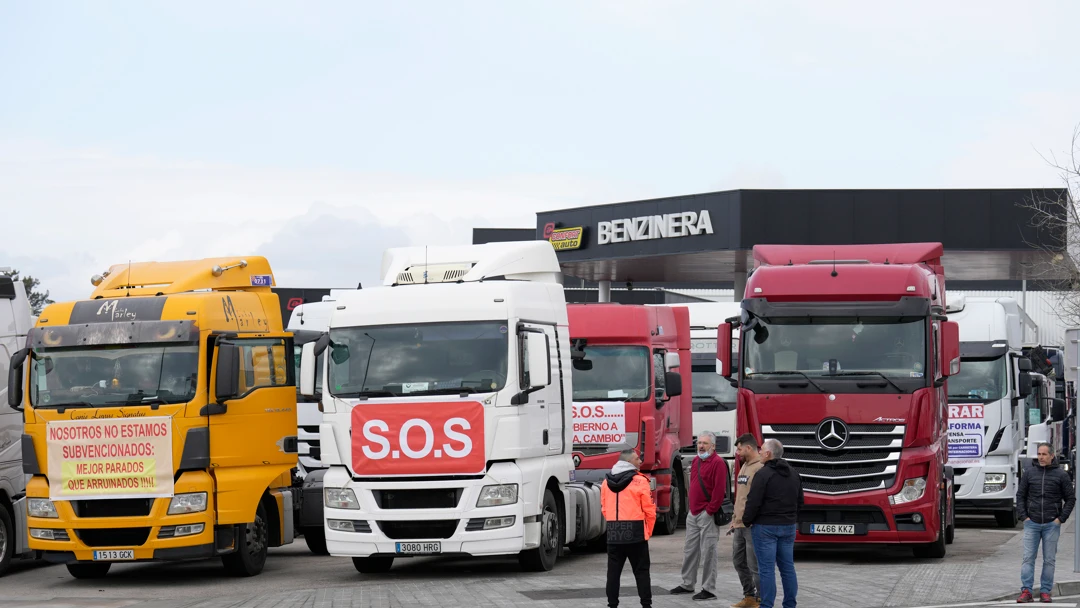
(113, 458)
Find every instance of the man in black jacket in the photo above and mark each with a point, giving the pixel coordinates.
(1044, 501)
(772, 513)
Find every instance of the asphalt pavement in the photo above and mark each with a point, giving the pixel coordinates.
(983, 565)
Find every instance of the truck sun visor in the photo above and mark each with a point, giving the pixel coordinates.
(132, 332)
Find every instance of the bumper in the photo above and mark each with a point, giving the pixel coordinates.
(984, 505)
(149, 536)
(457, 529)
(874, 520)
(970, 497)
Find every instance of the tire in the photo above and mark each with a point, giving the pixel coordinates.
(1006, 519)
(373, 565)
(250, 555)
(89, 570)
(670, 521)
(542, 558)
(7, 539)
(936, 549)
(316, 540)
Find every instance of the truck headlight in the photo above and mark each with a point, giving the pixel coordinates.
(494, 496)
(340, 498)
(912, 490)
(188, 503)
(41, 507)
(994, 482)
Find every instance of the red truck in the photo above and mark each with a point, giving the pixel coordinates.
(844, 356)
(628, 394)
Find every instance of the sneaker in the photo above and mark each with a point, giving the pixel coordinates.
(680, 590)
(1025, 597)
(704, 595)
(747, 602)
(1045, 598)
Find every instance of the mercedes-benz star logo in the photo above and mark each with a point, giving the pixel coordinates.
(832, 434)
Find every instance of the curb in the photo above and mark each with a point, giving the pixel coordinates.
(1062, 589)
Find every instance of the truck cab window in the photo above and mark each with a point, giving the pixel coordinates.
(618, 373)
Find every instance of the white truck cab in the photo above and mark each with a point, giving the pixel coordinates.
(987, 415)
(16, 319)
(446, 398)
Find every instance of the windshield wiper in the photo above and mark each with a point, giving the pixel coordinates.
(63, 406)
(448, 390)
(883, 376)
(365, 394)
(789, 373)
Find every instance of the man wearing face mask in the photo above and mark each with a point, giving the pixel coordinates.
(708, 486)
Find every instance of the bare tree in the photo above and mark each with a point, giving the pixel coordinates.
(1056, 221)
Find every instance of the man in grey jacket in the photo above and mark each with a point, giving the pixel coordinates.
(1044, 501)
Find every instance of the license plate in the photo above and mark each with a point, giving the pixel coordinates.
(832, 529)
(112, 556)
(419, 548)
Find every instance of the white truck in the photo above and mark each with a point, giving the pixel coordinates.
(16, 319)
(447, 411)
(988, 421)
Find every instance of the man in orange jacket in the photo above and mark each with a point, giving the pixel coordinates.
(626, 499)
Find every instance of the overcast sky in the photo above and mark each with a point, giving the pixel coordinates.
(319, 136)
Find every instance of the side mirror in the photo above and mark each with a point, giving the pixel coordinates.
(15, 379)
(582, 365)
(671, 361)
(1023, 382)
(1024, 364)
(950, 348)
(1057, 409)
(539, 361)
(7, 288)
(307, 369)
(228, 373)
(723, 350)
(673, 384)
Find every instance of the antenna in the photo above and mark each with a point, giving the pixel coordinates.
(834, 263)
(129, 279)
(425, 264)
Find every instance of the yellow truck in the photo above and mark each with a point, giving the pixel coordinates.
(160, 419)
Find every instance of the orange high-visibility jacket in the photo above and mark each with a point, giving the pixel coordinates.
(626, 500)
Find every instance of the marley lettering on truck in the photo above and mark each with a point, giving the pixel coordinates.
(844, 355)
(160, 419)
(446, 397)
(631, 392)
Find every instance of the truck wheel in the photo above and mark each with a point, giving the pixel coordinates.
(542, 558)
(670, 521)
(316, 540)
(1006, 519)
(89, 570)
(936, 549)
(250, 555)
(7, 539)
(373, 565)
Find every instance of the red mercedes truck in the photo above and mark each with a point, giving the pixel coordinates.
(632, 388)
(844, 356)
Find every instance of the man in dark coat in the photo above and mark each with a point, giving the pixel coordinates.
(1044, 501)
(772, 512)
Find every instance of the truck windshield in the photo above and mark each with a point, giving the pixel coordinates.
(618, 373)
(980, 379)
(712, 392)
(115, 376)
(432, 358)
(820, 346)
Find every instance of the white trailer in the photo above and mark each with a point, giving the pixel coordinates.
(987, 420)
(16, 319)
(447, 411)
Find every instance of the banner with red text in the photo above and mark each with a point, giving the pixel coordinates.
(110, 458)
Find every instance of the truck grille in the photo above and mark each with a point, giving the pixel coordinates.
(436, 498)
(399, 530)
(113, 507)
(113, 537)
(866, 458)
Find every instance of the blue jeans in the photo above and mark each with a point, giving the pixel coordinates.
(1048, 534)
(775, 548)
